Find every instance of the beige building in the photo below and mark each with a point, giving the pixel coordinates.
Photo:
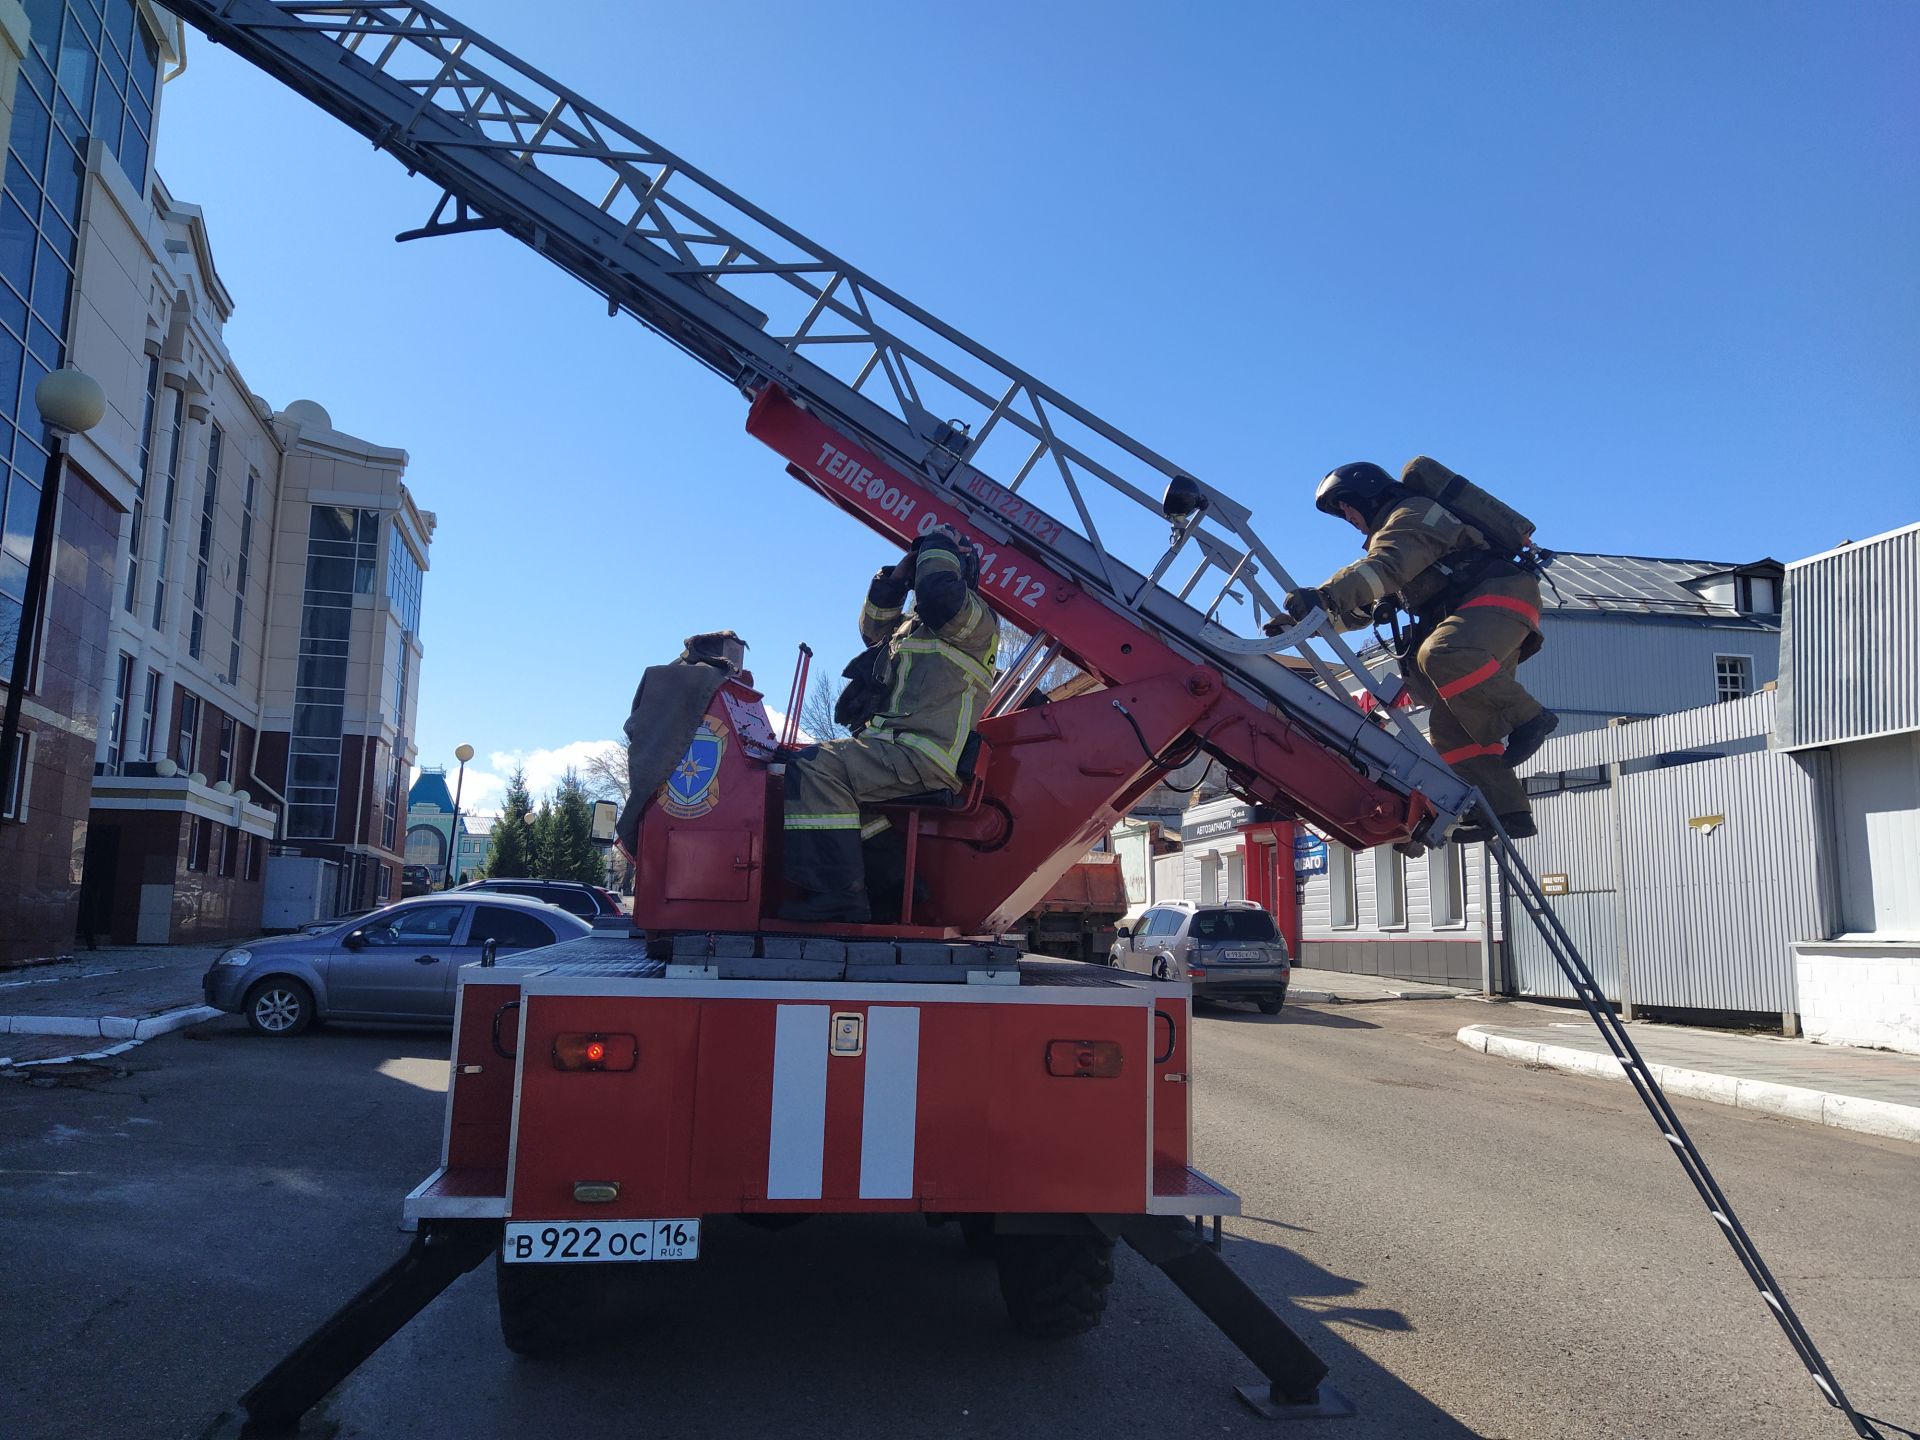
(228, 663)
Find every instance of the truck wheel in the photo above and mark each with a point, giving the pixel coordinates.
(1055, 1285)
(549, 1310)
(976, 1231)
(1270, 1004)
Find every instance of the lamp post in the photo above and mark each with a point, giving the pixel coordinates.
(462, 753)
(69, 401)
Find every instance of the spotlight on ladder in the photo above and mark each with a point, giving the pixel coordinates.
(1184, 497)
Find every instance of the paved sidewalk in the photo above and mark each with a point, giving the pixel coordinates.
(1874, 1091)
(1340, 987)
(119, 994)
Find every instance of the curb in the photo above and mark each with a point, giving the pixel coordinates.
(1793, 1102)
(108, 1027)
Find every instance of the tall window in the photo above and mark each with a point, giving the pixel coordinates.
(240, 574)
(149, 716)
(223, 764)
(1342, 914)
(1446, 885)
(1389, 888)
(189, 734)
(117, 721)
(1732, 677)
(209, 509)
(79, 81)
(169, 494)
(131, 599)
(341, 547)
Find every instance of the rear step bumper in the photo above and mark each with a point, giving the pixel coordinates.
(480, 1195)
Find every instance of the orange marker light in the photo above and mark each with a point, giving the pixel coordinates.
(1083, 1059)
(595, 1052)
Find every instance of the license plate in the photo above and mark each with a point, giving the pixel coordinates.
(1243, 955)
(557, 1243)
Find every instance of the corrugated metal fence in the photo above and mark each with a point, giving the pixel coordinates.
(1716, 867)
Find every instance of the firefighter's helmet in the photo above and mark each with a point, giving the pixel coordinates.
(1363, 485)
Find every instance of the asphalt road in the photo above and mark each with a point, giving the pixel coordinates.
(1476, 1249)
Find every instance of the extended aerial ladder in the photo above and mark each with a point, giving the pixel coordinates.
(902, 420)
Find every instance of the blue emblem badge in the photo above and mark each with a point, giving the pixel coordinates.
(694, 786)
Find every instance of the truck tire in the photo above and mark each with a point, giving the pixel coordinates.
(976, 1232)
(1055, 1285)
(549, 1310)
(1270, 1004)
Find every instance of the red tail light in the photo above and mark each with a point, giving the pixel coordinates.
(1083, 1059)
(595, 1052)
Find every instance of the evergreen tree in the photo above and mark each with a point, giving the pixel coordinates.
(512, 857)
(571, 852)
(541, 830)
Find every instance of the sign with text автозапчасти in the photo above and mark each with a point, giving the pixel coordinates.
(1309, 855)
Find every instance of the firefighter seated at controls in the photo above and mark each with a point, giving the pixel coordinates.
(1455, 567)
(913, 698)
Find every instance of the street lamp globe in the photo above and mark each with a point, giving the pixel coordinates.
(70, 400)
(463, 753)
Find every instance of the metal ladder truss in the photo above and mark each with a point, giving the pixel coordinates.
(1520, 879)
(757, 302)
(751, 298)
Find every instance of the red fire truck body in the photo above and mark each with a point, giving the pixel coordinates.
(1062, 1092)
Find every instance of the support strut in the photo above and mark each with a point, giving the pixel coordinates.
(1296, 1378)
(441, 1253)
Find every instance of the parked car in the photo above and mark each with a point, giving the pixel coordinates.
(394, 964)
(415, 880)
(573, 896)
(1230, 951)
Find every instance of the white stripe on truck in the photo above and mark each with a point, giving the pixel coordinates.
(798, 1140)
(891, 1101)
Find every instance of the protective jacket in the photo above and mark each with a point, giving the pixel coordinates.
(1434, 561)
(941, 657)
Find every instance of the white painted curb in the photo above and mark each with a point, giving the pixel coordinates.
(107, 1027)
(1821, 1107)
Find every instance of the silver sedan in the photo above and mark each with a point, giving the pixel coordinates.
(395, 964)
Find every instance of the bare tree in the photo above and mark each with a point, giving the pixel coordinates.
(604, 772)
(816, 711)
(1013, 639)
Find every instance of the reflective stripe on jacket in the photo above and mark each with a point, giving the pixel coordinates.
(1406, 555)
(940, 677)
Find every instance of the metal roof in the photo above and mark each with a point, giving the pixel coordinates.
(1638, 584)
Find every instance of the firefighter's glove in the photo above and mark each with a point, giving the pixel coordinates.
(1301, 603)
(888, 589)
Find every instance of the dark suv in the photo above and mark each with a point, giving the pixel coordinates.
(1230, 951)
(586, 901)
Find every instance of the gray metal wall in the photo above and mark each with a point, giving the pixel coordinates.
(1712, 908)
(1593, 666)
(1852, 632)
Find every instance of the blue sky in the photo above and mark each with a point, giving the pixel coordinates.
(1646, 271)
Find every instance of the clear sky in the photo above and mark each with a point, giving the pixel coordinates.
(1651, 272)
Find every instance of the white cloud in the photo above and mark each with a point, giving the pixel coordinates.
(544, 767)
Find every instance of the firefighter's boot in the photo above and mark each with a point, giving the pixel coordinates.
(1528, 737)
(827, 865)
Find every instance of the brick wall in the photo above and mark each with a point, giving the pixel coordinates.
(1860, 993)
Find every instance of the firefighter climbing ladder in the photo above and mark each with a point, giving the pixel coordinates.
(758, 303)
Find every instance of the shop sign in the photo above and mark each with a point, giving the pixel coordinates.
(1309, 855)
(1228, 824)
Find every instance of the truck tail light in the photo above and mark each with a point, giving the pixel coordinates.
(1194, 972)
(1083, 1059)
(595, 1052)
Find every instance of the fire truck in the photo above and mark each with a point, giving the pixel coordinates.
(611, 1096)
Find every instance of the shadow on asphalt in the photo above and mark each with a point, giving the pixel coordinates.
(1292, 1015)
(876, 1327)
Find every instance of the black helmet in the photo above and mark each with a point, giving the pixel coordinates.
(1363, 485)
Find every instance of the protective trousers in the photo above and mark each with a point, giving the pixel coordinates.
(826, 786)
(1464, 672)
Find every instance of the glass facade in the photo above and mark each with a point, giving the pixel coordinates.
(342, 546)
(131, 599)
(203, 567)
(240, 574)
(86, 75)
(176, 435)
